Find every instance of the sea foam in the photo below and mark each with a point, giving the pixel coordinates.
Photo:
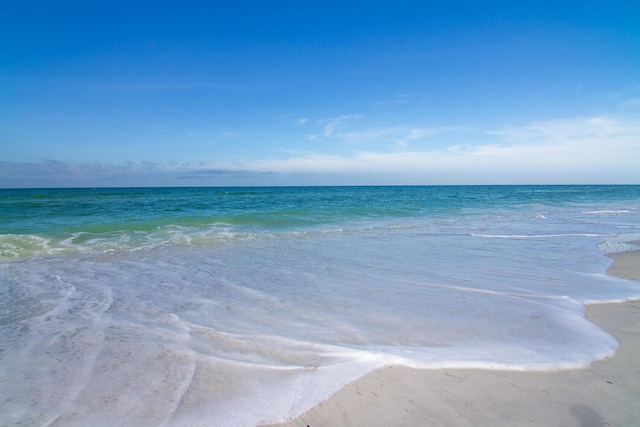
(211, 323)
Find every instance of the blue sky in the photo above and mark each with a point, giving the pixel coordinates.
(189, 93)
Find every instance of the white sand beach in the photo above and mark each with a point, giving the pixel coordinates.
(607, 393)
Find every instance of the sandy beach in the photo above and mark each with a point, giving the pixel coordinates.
(607, 393)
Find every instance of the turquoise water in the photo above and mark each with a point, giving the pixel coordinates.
(235, 306)
(49, 220)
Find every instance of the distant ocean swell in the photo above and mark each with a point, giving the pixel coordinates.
(242, 306)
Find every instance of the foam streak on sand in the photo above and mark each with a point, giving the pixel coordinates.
(605, 393)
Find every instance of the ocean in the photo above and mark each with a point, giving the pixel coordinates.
(241, 306)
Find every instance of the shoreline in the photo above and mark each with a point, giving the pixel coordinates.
(605, 393)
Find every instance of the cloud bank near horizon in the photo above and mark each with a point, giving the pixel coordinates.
(601, 149)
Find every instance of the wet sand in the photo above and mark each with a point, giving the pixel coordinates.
(607, 393)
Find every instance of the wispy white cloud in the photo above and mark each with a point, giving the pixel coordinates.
(402, 98)
(349, 128)
(293, 118)
(230, 133)
(399, 135)
(332, 125)
(594, 147)
(587, 150)
(591, 128)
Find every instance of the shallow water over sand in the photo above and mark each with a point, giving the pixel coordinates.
(240, 306)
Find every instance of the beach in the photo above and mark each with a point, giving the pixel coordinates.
(250, 306)
(607, 393)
